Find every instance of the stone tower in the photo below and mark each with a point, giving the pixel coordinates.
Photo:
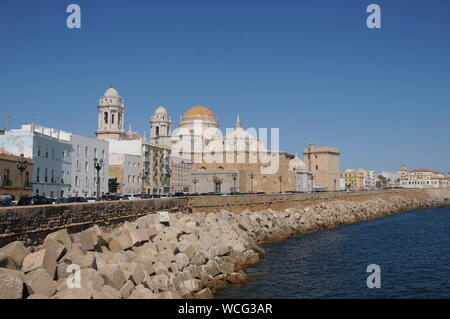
(111, 116)
(160, 127)
(323, 163)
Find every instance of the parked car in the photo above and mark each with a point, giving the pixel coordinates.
(6, 201)
(110, 198)
(91, 199)
(77, 200)
(33, 200)
(61, 200)
(52, 200)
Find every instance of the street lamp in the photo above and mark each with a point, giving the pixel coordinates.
(280, 178)
(252, 176)
(195, 181)
(22, 166)
(98, 166)
(234, 182)
(169, 174)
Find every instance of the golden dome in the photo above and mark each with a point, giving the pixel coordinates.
(199, 113)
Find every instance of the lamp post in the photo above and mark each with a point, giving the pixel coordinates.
(280, 178)
(98, 166)
(169, 174)
(195, 181)
(22, 166)
(234, 182)
(252, 176)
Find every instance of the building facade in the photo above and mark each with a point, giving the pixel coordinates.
(84, 174)
(12, 181)
(353, 179)
(49, 150)
(181, 175)
(424, 178)
(125, 170)
(219, 181)
(324, 164)
(157, 174)
(303, 178)
(161, 127)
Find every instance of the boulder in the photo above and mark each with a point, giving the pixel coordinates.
(74, 293)
(33, 261)
(12, 255)
(39, 282)
(62, 236)
(158, 282)
(112, 275)
(89, 238)
(212, 268)
(127, 289)
(53, 252)
(91, 279)
(110, 293)
(86, 261)
(168, 295)
(198, 259)
(204, 294)
(138, 274)
(141, 293)
(11, 284)
(120, 242)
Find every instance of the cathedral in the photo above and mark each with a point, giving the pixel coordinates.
(233, 162)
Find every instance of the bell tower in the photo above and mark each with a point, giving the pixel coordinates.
(160, 127)
(111, 116)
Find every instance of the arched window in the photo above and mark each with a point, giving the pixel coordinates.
(112, 118)
(157, 131)
(106, 117)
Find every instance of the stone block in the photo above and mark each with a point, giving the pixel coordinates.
(62, 236)
(140, 292)
(33, 261)
(91, 279)
(158, 282)
(204, 294)
(110, 293)
(112, 275)
(74, 293)
(182, 261)
(127, 289)
(120, 242)
(11, 284)
(12, 255)
(39, 282)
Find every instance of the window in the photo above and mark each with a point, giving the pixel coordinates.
(39, 150)
(78, 165)
(46, 153)
(78, 150)
(53, 176)
(86, 166)
(62, 177)
(87, 181)
(27, 179)
(112, 118)
(38, 171)
(129, 178)
(103, 154)
(77, 182)
(317, 167)
(53, 154)
(46, 175)
(105, 117)
(6, 181)
(86, 151)
(95, 153)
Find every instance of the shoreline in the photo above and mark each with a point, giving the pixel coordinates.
(191, 255)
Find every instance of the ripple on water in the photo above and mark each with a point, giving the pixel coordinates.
(412, 249)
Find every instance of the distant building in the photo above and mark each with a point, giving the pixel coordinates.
(303, 178)
(84, 175)
(424, 178)
(125, 170)
(323, 162)
(12, 182)
(49, 150)
(156, 159)
(160, 127)
(220, 181)
(181, 177)
(389, 179)
(353, 179)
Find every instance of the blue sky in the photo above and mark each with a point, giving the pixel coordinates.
(311, 68)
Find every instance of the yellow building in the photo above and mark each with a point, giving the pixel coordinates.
(12, 182)
(354, 180)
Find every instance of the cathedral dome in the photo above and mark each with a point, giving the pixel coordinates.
(199, 113)
(297, 164)
(111, 92)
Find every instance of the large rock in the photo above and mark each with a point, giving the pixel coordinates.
(11, 284)
(12, 255)
(74, 293)
(62, 236)
(113, 275)
(127, 289)
(89, 238)
(91, 279)
(120, 242)
(141, 293)
(84, 261)
(53, 252)
(40, 282)
(110, 293)
(158, 282)
(33, 261)
(204, 294)
(212, 268)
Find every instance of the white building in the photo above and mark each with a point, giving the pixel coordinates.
(181, 177)
(84, 175)
(126, 168)
(50, 150)
(303, 181)
(424, 178)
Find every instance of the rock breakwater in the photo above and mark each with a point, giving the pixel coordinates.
(187, 256)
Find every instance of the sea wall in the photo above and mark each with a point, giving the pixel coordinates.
(191, 255)
(32, 224)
